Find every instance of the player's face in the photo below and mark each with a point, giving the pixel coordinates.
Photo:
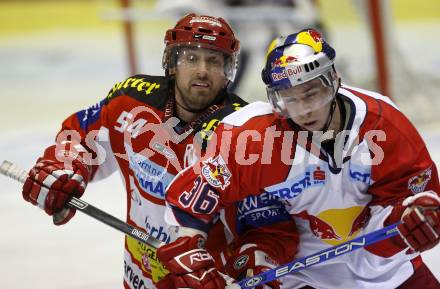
(200, 75)
(308, 104)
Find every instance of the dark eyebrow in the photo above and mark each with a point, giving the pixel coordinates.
(214, 53)
(214, 56)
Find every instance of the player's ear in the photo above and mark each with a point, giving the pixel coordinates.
(172, 70)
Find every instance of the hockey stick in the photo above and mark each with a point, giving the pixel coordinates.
(9, 169)
(13, 171)
(317, 258)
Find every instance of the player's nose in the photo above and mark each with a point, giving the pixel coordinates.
(202, 68)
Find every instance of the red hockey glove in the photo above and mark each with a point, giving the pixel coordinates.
(51, 183)
(191, 266)
(248, 261)
(165, 283)
(420, 226)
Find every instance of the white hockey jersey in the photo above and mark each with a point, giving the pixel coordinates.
(378, 161)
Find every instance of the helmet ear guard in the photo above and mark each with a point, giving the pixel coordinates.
(265, 77)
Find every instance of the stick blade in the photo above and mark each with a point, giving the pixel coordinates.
(8, 169)
(4, 167)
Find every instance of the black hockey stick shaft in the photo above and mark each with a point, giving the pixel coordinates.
(113, 222)
(13, 171)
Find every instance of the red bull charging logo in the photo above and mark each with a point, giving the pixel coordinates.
(336, 226)
(417, 184)
(283, 61)
(311, 38)
(216, 172)
(315, 35)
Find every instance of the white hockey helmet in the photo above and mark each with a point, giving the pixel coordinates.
(295, 60)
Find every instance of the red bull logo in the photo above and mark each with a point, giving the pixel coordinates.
(315, 35)
(322, 229)
(216, 172)
(417, 184)
(283, 61)
(311, 38)
(286, 73)
(360, 221)
(336, 226)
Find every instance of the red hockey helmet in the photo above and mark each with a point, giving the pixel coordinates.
(204, 32)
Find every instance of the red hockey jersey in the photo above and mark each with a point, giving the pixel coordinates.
(133, 131)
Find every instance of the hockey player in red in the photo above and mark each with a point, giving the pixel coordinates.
(148, 128)
(345, 162)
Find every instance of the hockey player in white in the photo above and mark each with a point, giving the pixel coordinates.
(361, 188)
(345, 161)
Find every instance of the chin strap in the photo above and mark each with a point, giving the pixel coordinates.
(330, 115)
(336, 82)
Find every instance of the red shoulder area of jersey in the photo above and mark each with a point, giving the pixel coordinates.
(382, 114)
(256, 137)
(403, 150)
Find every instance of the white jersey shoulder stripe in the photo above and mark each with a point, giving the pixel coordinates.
(371, 94)
(356, 115)
(249, 111)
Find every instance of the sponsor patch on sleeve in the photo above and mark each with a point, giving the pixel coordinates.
(417, 184)
(216, 172)
(90, 115)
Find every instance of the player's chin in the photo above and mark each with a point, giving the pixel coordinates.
(314, 127)
(202, 95)
(197, 100)
(311, 125)
(200, 105)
